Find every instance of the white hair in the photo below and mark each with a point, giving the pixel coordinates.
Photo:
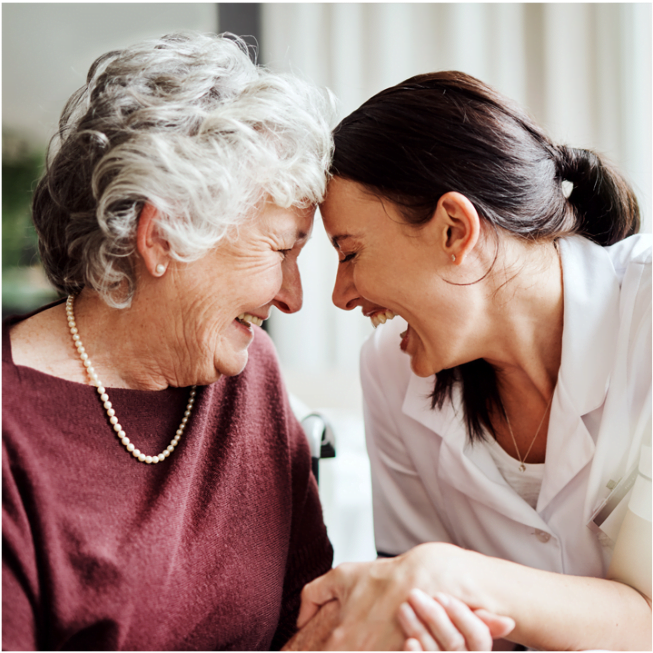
(189, 124)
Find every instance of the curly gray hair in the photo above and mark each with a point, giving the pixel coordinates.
(190, 124)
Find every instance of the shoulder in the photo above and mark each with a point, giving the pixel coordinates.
(632, 251)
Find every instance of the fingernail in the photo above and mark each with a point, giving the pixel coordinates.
(419, 594)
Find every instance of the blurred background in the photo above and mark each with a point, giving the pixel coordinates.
(582, 70)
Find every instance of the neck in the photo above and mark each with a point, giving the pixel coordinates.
(524, 342)
(121, 345)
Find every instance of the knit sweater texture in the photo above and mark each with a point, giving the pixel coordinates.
(206, 550)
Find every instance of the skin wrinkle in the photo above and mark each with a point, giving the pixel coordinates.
(181, 328)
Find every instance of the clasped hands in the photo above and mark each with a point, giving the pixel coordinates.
(411, 602)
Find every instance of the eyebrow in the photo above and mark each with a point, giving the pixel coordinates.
(292, 233)
(335, 240)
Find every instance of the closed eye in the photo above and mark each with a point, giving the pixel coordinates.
(347, 258)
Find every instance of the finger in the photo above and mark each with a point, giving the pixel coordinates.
(414, 629)
(476, 633)
(499, 626)
(412, 644)
(435, 618)
(322, 590)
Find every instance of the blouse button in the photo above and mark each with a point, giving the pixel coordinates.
(542, 536)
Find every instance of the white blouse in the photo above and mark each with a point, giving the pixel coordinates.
(525, 483)
(430, 484)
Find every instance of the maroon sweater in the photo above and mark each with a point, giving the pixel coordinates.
(208, 549)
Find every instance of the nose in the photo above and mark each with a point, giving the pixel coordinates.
(290, 297)
(345, 295)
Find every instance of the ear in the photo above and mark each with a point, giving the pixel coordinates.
(459, 226)
(150, 245)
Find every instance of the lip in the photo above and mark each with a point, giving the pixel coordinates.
(244, 329)
(403, 345)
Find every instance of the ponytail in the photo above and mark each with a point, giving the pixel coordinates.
(604, 205)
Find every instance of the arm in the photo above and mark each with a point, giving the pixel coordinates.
(552, 611)
(310, 553)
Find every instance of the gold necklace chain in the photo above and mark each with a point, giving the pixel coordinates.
(522, 466)
(104, 398)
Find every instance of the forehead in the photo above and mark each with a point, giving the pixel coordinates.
(293, 221)
(349, 210)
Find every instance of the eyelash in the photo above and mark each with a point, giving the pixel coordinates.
(284, 252)
(347, 258)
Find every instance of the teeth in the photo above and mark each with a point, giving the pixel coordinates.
(250, 319)
(381, 317)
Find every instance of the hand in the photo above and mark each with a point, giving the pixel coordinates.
(314, 634)
(447, 624)
(370, 593)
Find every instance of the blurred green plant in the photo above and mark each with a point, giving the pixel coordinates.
(24, 285)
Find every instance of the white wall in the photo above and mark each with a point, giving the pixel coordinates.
(47, 49)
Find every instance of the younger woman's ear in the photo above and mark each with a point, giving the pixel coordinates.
(153, 249)
(460, 226)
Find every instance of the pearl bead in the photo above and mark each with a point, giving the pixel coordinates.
(104, 397)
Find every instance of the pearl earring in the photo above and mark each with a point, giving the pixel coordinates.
(453, 258)
(160, 269)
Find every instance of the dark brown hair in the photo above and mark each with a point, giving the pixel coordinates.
(447, 131)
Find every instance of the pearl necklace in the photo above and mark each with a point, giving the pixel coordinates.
(104, 397)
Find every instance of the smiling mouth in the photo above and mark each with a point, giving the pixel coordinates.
(246, 319)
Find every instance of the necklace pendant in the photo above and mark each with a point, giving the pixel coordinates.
(522, 467)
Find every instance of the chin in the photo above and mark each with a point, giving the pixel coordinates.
(231, 367)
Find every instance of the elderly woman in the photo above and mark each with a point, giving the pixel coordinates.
(508, 406)
(157, 491)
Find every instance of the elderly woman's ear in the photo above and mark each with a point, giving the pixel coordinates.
(153, 248)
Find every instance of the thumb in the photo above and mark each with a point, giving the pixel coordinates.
(315, 594)
(499, 626)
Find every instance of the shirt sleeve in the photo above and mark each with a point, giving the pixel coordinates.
(310, 554)
(404, 514)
